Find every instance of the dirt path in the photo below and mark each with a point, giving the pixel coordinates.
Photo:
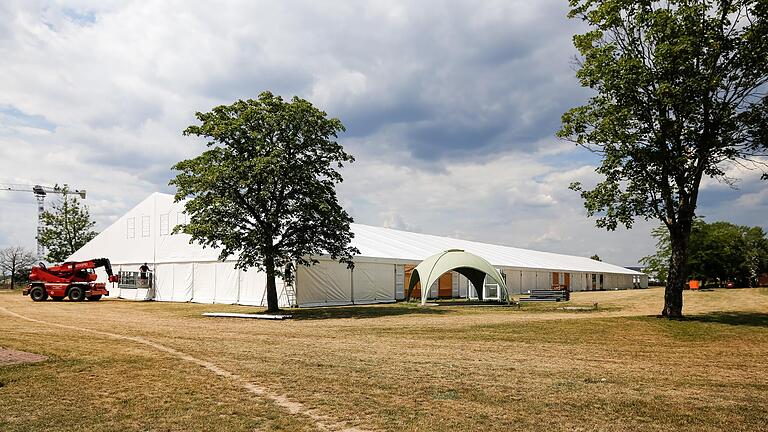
(9, 357)
(323, 423)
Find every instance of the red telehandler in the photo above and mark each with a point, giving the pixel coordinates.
(75, 280)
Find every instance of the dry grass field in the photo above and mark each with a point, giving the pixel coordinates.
(390, 367)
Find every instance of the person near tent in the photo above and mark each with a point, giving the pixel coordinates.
(144, 272)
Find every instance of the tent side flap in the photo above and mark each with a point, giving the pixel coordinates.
(324, 283)
(373, 283)
(204, 277)
(183, 282)
(227, 283)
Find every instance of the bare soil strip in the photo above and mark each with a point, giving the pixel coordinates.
(9, 357)
(323, 423)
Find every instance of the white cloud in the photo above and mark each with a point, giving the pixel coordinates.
(454, 102)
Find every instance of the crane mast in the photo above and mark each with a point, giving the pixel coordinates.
(40, 193)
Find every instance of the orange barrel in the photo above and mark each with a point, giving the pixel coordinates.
(694, 284)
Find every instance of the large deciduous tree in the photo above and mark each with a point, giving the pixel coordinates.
(679, 94)
(265, 188)
(16, 262)
(66, 227)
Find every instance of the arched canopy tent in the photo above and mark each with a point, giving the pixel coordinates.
(468, 265)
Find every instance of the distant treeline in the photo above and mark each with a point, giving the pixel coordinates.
(719, 252)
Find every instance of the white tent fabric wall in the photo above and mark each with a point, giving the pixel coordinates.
(227, 283)
(373, 283)
(514, 281)
(189, 272)
(183, 284)
(577, 281)
(543, 280)
(252, 286)
(204, 277)
(528, 281)
(609, 282)
(331, 283)
(174, 282)
(324, 284)
(217, 282)
(164, 282)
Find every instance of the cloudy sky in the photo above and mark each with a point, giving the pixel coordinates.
(458, 99)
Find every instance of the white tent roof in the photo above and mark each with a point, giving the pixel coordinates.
(155, 217)
(388, 243)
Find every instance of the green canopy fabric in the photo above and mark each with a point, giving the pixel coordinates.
(468, 265)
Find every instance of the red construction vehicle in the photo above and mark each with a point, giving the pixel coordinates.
(75, 280)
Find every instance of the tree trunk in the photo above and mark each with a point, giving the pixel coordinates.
(272, 305)
(676, 279)
(13, 272)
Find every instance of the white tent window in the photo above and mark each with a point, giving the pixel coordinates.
(164, 224)
(145, 226)
(181, 218)
(399, 282)
(130, 228)
(491, 289)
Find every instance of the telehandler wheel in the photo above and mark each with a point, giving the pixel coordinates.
(76, 294)
(96, 297)
(38, 293)
(57, 298)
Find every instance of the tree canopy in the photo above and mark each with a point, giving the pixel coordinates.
(265, 188)
(719, 251)
(66, 227)
(679, 94)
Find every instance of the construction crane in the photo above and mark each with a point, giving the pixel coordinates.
(40, 193)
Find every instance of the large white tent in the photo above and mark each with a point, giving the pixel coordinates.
(189, 272)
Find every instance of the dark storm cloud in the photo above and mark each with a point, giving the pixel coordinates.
(367, 121)
(473, 96)
(440, 140)
(444, 79)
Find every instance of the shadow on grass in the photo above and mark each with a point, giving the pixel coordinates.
(336, 312)
(752, 319)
